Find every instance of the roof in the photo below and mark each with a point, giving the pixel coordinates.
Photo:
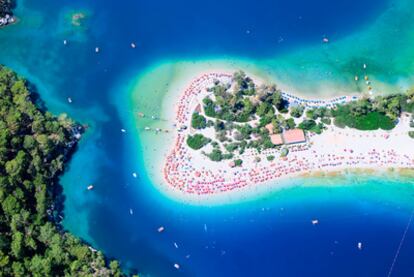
(276, 139)
(294, 136)
(269, 127)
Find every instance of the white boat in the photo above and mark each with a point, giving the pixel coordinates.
(175, 245)
(147, 128)
(315, 221)
(131, 212)
(69, 100)
(97, 49)
(123, 130)
(65, 42)
(161, 229)
(133, 45)
(135, 175)
(359, 245)
(177, 266)
(90, 187)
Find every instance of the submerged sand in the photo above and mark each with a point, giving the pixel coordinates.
(318, 71)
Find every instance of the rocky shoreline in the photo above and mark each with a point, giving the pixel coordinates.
(6, 12)
(7, 20)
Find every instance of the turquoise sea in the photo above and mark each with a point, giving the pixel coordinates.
(266, 235)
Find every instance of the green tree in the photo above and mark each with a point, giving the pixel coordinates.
(198, 121)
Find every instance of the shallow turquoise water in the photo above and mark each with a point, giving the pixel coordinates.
(270, 236)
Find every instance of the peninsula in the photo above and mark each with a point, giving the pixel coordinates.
(234, 132)
(34, 148)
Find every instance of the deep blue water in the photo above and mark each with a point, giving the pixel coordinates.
(267, 237)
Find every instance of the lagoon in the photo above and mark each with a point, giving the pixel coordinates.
(266, 235)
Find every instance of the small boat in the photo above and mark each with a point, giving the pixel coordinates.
(69, 100)
(205, 227)
(90, 187)
(97, 49)
(141, 114)
(175, 245)
(356, 78)
(147, 128)
(359, 245)
(131, 212)
(177, 266)
(123, 130)
(364, 66)
(65, 42)
(135, 175)
(315, 221)
(133, 45)
(161, 229)
(325, 40)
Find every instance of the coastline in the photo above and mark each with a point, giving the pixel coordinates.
(249, 191)
(319, 71)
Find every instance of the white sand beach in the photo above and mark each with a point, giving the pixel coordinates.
(187, 175)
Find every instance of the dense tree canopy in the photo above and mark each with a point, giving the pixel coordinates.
(6, 7)
(34, 146)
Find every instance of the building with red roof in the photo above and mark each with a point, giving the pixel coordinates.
(294, 136)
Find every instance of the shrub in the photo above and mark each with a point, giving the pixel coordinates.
(197, 141)
(326, 120)
(198, 121)
(284, 152)
(216, 155)
(297, 111)
(238, 162)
